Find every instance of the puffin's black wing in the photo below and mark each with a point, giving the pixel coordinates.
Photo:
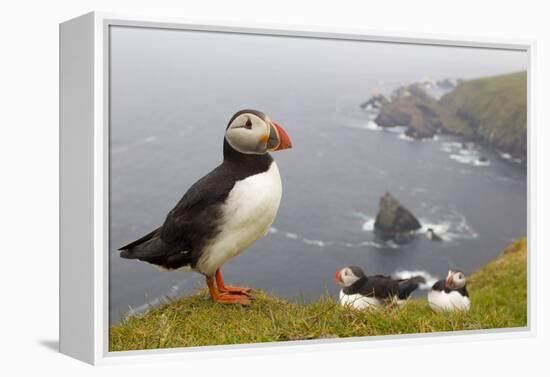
(382, 287)
(464, 292)
(133, 244)
(199, 210)
(188, 226)
(379, 286)
(439, 286)
(407, 286)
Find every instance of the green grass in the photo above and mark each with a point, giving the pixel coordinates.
(492, 108)
(498, 292)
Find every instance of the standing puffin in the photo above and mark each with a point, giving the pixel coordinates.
(450, 294)
(361, 292)
(224, 212)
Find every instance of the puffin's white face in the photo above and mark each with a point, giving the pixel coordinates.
(348, 275)
(250, 134)
(455, 279)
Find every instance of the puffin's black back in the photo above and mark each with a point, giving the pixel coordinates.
(374, 286)
(384, 287)
(197, 217)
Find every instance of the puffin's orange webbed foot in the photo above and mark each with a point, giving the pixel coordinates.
(230, 289)
(235, 290)
(226, 297)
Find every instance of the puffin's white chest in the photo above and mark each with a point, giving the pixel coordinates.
(248, 213)
(357, 301)
(442, 301)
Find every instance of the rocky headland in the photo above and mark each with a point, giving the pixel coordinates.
(490, 111)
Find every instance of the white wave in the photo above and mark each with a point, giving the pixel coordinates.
(399, 130)
(314, 242)
(451, 146)
(379, 244)
(396, 129)
(468, 152)
(464, 229)
(440, 228)
(470, 159)
(157, 301)
(452, 225)
(372, 126)
(125, 148)
(406, 138)
(464, 153)
(368, 225)
(175, 289)
(407, 274)
(292, 236)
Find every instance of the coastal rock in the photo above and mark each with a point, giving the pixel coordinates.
(414, 109)
(413, 90)
(393, 115)
(393, 220)
(432, 235)
(446, 84)
(375, 102)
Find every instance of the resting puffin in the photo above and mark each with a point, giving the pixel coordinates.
(361, 292)
(224, 212)
(450, 294)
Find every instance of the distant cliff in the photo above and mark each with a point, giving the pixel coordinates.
(491, 110)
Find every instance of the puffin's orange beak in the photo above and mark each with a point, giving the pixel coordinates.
(284, 140)
(336, 277)
(449, 281)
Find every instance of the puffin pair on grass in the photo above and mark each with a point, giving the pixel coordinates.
(361, 291)
(225, 211)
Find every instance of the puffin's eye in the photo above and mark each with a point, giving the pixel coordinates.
(248, 124)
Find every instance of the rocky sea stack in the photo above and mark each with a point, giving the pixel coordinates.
(394, 221)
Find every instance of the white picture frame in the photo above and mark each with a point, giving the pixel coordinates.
(84, 188)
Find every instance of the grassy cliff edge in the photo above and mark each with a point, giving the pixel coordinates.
(498, 292)
(492, 109)
(489, 110)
